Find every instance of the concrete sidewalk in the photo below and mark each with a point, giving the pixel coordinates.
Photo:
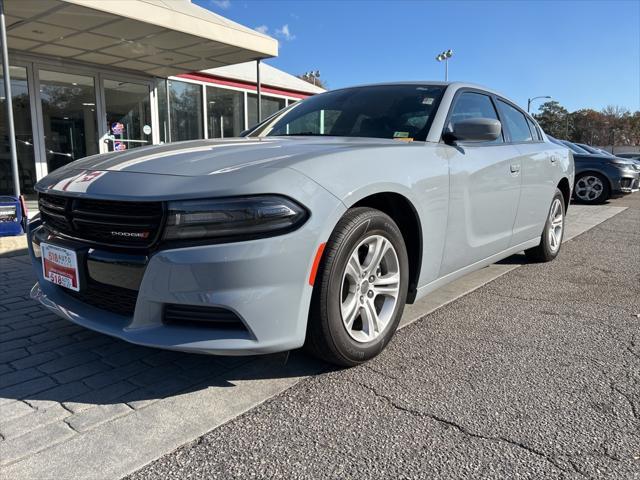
(77, 404)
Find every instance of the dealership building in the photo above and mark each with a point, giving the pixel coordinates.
(93, 76)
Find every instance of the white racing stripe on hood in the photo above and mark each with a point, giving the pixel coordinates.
(248, 164)
(155, 156)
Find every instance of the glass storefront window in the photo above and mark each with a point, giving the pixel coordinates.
(270, 105)
(185, 100)
(225, 112)
(24, 135)
(69, 117)
(128, 114)
(163, 110)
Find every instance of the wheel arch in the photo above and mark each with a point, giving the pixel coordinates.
(406, 216)
(565, 188)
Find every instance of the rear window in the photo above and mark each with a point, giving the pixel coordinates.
(516, 123)
(534, 130)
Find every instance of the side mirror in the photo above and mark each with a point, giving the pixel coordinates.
(475, 130)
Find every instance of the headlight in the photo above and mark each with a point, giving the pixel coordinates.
(232, 217)
(623, 165)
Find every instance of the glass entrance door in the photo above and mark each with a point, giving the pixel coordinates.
(68, 116)
(128, 112)
(24, 135)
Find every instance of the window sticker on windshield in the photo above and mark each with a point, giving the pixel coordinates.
(400, 134)
(427, 101)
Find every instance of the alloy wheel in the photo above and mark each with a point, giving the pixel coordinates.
(589, 188)
(370, 288)
(556, 225)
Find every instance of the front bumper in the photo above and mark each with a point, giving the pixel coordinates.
(264, 282)
(628, 182)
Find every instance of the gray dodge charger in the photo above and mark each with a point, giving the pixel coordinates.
(313, 229)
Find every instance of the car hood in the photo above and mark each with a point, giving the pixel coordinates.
(199, 169)
(212, 157)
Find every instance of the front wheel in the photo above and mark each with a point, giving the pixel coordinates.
(551, 239)
(592, 188)
(360, 289)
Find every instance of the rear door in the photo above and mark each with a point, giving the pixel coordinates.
(539, 172)
(485, 185)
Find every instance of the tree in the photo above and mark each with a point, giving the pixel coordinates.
(613, 124)
(554, 119)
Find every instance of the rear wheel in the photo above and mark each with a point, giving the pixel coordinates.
(360, 289)
(592, 188)
(551, 239)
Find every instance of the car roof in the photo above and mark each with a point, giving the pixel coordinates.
(456, 85)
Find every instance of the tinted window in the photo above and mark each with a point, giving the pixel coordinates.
(400, 112)
(473, 105)
(534, 131)
(516, 123)
(185, 111)
(270, 105)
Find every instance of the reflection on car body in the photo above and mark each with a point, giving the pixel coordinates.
(313, 229)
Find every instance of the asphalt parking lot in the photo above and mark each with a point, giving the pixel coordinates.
(534, 375)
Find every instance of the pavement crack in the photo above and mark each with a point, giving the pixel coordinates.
(381, 373)
(630, 349)
(632, 407)
(465, 431)
(66, 420)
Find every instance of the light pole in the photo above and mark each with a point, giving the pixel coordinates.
(312, 75)
(532, 99)
(444, 57)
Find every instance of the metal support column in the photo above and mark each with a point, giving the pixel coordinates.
(8, 99)
(259, 90)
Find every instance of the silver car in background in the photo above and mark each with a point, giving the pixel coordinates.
(314, 229)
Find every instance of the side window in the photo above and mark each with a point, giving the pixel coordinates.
(534, 130)
(474, 105)
(516, 123)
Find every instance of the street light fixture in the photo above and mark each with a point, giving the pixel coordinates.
(532, 99)
(312, 75)
(444, 57)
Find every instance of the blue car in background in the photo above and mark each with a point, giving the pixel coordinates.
(600, 177)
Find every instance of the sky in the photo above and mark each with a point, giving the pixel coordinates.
(584, 54)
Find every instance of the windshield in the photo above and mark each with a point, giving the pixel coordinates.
(575, 148)
(400, 112)
(589, 149)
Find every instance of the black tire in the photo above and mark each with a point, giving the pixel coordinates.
(327, 336)
(604, 195)
(545, 252)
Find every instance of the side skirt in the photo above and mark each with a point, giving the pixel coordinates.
(450, 277)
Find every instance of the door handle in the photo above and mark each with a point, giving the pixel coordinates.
(515, 168)
(554, 158)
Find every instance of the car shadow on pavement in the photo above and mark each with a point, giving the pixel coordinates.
(517, 259)
(78, 368)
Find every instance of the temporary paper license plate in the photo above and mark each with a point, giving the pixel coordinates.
(60, 266)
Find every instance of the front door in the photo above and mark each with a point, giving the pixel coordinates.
(484, 190)
(128, 115)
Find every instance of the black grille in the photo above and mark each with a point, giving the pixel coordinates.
(107, 297)
(113, 223)
(202, 316)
